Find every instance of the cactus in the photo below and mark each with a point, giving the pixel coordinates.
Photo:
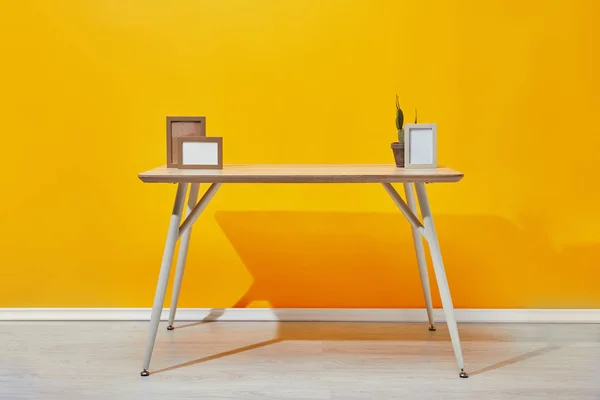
(399, 121)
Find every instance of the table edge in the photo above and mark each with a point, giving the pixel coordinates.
(451, 178)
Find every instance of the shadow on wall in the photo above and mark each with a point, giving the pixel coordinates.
(367, 260)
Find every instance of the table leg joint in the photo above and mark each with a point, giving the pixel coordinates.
(200, 206)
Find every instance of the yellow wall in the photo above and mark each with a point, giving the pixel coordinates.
(85, 87)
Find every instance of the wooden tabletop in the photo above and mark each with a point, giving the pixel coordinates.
(301, 173)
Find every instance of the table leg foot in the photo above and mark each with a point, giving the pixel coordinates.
(170, 327)
(432, 328)
(145, 373)
(463, 374)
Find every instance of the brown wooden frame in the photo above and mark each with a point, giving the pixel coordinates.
(172, 148)
(218, 140)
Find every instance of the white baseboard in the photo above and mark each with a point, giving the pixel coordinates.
(304, 314)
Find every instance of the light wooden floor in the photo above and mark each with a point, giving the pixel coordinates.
(263, 360)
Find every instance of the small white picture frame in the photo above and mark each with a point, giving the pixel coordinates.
(420, 148)
(200, 152)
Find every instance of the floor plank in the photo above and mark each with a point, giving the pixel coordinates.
(297, 360)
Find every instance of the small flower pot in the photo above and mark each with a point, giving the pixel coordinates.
(398, 150)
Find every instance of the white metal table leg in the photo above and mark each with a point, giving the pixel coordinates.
(421, 261)
(440, 274)
(163, 277)
(182, 256)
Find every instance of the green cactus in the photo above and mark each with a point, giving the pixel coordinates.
(399, 121)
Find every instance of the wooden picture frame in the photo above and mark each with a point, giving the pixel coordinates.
(197, 160)
(420, 148)
(178, 127)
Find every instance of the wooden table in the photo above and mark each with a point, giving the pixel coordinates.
(332, 173)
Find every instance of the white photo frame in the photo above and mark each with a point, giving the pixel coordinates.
(420, 148)
(200, 152)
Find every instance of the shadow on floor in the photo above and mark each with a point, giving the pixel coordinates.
(377, 331)
(514, 360)
(219, 355)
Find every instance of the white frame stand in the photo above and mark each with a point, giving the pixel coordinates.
(426, 229)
